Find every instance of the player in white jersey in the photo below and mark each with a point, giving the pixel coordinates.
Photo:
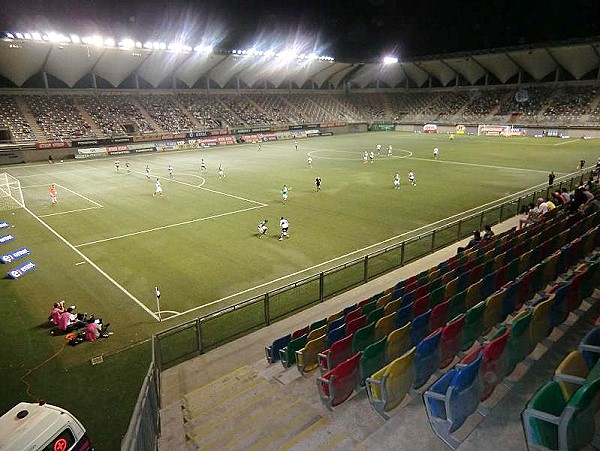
(283, 223)
(412, 179)
(436, 151)
(296, 145)
(221, 171)
(309, 161)
(148, 172)
(366, 157)
(372, 156)
(397, 181)
(117, 164)
(170, 169)
(259, 145)
(157, 188)
(390, 150)
(127, 167)
(378, 147)
(203, 166)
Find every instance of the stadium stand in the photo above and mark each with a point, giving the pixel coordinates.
(117, 115)
(570, 104)
(483, 104)
(166, 113)
(12, 118)
(245, 111)
(207, 110)
(58, 117)
(526, 111)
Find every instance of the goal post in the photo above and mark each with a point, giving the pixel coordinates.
(11, 195)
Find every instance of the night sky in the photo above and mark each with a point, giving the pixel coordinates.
(345, 29)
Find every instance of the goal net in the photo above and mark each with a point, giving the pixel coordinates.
(11, 196)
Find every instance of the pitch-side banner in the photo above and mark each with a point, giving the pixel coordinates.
(15, 255)
(21, 270)
(6, 238)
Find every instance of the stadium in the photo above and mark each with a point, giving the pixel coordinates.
(360, 326)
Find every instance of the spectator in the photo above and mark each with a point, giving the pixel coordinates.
(581, 197)
(70, 321)
(532, 217)
(475, 240)
(558, 199)
(92, 330)
(488, 233)
(543, 206)
(566, 195)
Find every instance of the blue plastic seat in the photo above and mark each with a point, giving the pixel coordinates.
(272, 351)
(420, 327)
(453, 398)
(427, 358)
(336, 334)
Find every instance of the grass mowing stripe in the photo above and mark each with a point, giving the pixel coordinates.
(168, 226)
(96, 267)
(68, 211)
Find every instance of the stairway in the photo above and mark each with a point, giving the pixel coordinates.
(144, 113)
(88, 118)
(247, 411)
(24, 107)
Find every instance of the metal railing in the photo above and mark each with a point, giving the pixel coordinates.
(184, 341)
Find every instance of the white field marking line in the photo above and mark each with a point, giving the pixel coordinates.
(566, 142)
(155, 229)
(175, 312)
(482, 165)
(35, 186)
(80, 195)
(96, 267)
(79, 263)
(359, 154)
(69, 211)
(202, 188)
(357, 251)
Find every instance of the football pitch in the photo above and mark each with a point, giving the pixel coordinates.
(108, 242)
(198, 242)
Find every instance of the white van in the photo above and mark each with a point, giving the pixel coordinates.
(29, 427)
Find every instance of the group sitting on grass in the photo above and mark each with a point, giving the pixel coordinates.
(67, 321)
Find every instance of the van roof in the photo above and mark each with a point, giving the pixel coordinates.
(42, 423)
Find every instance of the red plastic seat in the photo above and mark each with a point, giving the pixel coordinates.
(439, 315)
(355, 324)
(338, 352)
(420, 306)
(337, 385)
(451, 340)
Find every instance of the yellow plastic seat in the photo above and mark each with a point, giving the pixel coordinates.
(571, 373)
(387, 387)
(540, 326)
(493, 311)
(398, 342)
(313, 334)
(383, 300)
(473, 294)
(451, 288)
(384, 326)
(391, 307)
(307, 358)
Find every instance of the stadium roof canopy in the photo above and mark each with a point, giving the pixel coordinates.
(21, 59)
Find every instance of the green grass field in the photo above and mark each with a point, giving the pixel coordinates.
(108, 241)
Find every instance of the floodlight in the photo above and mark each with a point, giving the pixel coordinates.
(35, 35)
(269, 53)
(156, 45)
(19, 35)
(97, 40)
(187, 48)
(127, 44)
(109, 42)
(390, 60)
(74, 39)
(208, 49)
(138, 45)
(147, 45)
(27, 36)
(162, 46)
(10, 36)
(174, 46)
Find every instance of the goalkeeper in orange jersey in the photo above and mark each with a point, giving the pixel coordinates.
(52, 191)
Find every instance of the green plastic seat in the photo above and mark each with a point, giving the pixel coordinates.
(373, 359)
(375, 315)
(457, 304)
(518, 343)
(437, 296)
(369, 307)
(287, 355)
(363, 337)
(474, 325)
(553, 422)
(318, 324)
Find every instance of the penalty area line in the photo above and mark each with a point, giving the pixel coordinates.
(95, 266)
(80, 195)
(168, 226)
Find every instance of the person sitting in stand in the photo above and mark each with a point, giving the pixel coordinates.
(476, 240)
(488, 233)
